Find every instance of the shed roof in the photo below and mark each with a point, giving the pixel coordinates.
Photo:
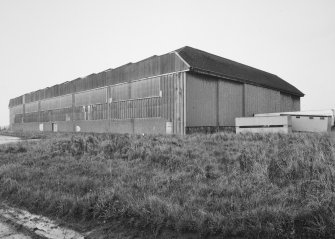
(207, 63)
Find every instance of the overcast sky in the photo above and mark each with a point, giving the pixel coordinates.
(44, 42)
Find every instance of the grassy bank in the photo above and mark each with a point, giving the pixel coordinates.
(253, 186)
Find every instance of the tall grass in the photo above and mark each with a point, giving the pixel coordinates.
(226, 185)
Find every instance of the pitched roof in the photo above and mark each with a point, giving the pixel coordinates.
(205, 62)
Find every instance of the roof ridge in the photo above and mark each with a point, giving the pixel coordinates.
(199, 59)
(251, 67)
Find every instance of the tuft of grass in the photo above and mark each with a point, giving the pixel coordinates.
(223, 185)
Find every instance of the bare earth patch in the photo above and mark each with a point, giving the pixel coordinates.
(38, 224)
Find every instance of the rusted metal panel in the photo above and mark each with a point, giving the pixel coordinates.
(230, 102)
(201, 100)
(261, 100)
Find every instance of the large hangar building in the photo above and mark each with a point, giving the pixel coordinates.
(178, 92)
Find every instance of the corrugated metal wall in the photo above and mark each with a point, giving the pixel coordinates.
(18, 118)
(201, 100)
(57, 103)
(153, 66)
(152, 88)
(16, 109)
(157, 97)
(173, 104)
(31, 107)
(261, 100)
(230, 102)
(140, 108)
(296, 103)
(289, 102)
(91, 112)
(92, 97)
(13, 111)
(134, 98)
(31, 117)
(213, 101)
(16, 101)
(55, 115)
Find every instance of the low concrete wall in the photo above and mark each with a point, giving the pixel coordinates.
(307, 123)
(137, 126)
(97, 126)
(26, 126)
(64, 126)
(311, 124)
(273, 124)
(150, 126)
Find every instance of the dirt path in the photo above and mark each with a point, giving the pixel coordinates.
(38, 226)
(8, 231)
(8, 139)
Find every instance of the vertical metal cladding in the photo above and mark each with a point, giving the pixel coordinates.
(31, 117)
(289, 102)
(213, 101)
(137, 95)
(16, 114)
(91, 97)
(261, 100)
(230, 102)
(56, 103)
(64, 114)
(296, 103)
(31, 107)
(201, 100)
(172, 106)
(138, 99)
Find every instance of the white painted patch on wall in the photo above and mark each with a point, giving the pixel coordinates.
(169, 128)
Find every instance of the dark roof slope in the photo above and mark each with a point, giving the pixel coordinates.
(206, 62)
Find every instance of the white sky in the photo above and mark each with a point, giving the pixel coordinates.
(44, 42)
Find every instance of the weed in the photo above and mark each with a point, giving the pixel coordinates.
(225, 185)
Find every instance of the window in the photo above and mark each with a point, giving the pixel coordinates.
(136, 90)
(57, 103)
(91, 97)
